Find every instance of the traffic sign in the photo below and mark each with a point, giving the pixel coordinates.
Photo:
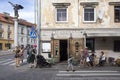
(33, 34)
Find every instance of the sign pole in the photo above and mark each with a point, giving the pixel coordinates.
(38, 26)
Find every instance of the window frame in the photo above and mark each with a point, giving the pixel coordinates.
(0, 25)
(66, 15)
(94, 14)
(115, 20)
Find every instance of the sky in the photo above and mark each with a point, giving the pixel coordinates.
(27, 13)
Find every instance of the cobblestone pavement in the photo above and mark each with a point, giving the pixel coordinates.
(63, 66)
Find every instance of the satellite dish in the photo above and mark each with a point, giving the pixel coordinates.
(100, 14)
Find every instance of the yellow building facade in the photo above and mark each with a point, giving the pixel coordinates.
(6, 31)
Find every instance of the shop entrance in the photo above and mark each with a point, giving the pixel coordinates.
(63, 50)
(0, 46)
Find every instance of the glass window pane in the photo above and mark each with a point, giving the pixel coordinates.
(64, 16)
(61, 14)
(92, 17)
(117, 13)
(89, 14)
(58, 17)
(86, 17)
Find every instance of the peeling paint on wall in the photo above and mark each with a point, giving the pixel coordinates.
(75, 14)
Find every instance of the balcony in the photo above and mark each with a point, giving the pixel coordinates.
(1, 30)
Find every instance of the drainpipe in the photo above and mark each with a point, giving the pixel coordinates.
(78, 14)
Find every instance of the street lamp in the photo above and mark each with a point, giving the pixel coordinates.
(16, 7)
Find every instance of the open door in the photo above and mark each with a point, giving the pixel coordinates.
(63, 50)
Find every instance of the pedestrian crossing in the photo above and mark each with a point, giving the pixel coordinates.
(88, 73)
(10, 62)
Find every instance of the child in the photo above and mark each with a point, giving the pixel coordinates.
(70, 64)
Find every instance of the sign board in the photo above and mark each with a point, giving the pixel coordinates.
(33, 34)
(46, 47)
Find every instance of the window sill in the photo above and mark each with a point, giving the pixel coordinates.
(61, 22)
(89, 22)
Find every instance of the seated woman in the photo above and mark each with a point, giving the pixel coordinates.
(102, 59)
(92, 59)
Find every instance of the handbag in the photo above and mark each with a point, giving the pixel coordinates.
(87, 59)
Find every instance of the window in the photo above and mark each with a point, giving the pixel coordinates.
(0, 26)
(22, 30)
(8, 35)
(89, 14)
(0, 35)
(8, 27)
(117, 45)
(61, 14)
(117, 13)
(28, 40)
(22, 39)
(28, 32)
(90, 44)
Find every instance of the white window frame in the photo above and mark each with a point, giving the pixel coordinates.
(66, 16)
(94, 14)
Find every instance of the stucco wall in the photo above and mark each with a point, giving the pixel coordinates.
(75, 9)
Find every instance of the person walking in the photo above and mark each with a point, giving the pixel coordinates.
(85, 57)
(35, 53)
(21, 54)
(70, 64)
(31, 57)
(17, 56)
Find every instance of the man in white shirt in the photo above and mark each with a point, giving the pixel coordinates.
(102, 59)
